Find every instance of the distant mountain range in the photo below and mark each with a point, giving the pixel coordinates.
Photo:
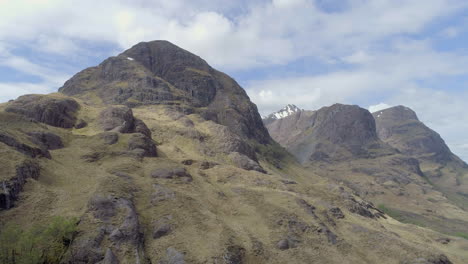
(383, 156)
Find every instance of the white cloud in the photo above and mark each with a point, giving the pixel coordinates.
(23, 65)
(263, 33)
(378, 107)
(13, 90)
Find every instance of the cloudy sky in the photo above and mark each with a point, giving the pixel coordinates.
(312, 53)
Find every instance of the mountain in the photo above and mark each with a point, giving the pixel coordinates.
(153, 156)
(288, 110)
(335, 133)
(385, 160)
(159, 72)
(400, 127)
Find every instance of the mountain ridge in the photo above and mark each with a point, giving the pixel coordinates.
(379, 168)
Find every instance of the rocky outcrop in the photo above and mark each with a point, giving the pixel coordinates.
(116, 223)
(173, 256)
(142, 145)
(161, 194)
(233, 254)
(27, 150)
(117, 119)
(120, 119)
(159, 72)
(162, 227)
(225, 141)
(323, 228)
(54, 111)
(10, 189)
(244, 162)
(172, 173)
(109, 138)
(46, 140)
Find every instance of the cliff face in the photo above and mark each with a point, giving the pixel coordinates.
(334, 133)
(400, 127)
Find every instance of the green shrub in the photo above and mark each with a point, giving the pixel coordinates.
(39, 244)
(462, 235)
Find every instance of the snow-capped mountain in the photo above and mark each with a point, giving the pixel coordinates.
(288, 110)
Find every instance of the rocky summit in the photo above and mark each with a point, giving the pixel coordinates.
(159, 72)
(153, 156)
(338, 132)
(400, 127)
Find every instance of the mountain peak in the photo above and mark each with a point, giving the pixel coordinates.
(286, 111)
(396, 113)
(162, 57)
(161, 73)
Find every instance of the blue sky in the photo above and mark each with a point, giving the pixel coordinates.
(312, 53)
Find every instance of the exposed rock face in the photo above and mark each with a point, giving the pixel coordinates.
(10, 190)
(58, 112)
(116, 222)
(400, 127)
(172, 173)
(245, 163)
(109, 138)
(23, 148)
(110, 257)
(162, 227)
(173, 257)
(161, 194)
(121, 119)
(46, 140)
(118, 119)
(142, 144)
(159, 72)
(331, 133)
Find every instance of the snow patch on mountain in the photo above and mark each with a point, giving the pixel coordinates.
(288, 110)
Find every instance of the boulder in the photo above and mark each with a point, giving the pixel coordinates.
(161, 193)
(117, 119)
(171, 173)
(283, 244)
(336, 212)
(109, 138)
(244, 162)
(204, 165)
(162, 227)
(141, 143)
(58, 112)
(81, 124)
(234, 254)
(173, 257)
